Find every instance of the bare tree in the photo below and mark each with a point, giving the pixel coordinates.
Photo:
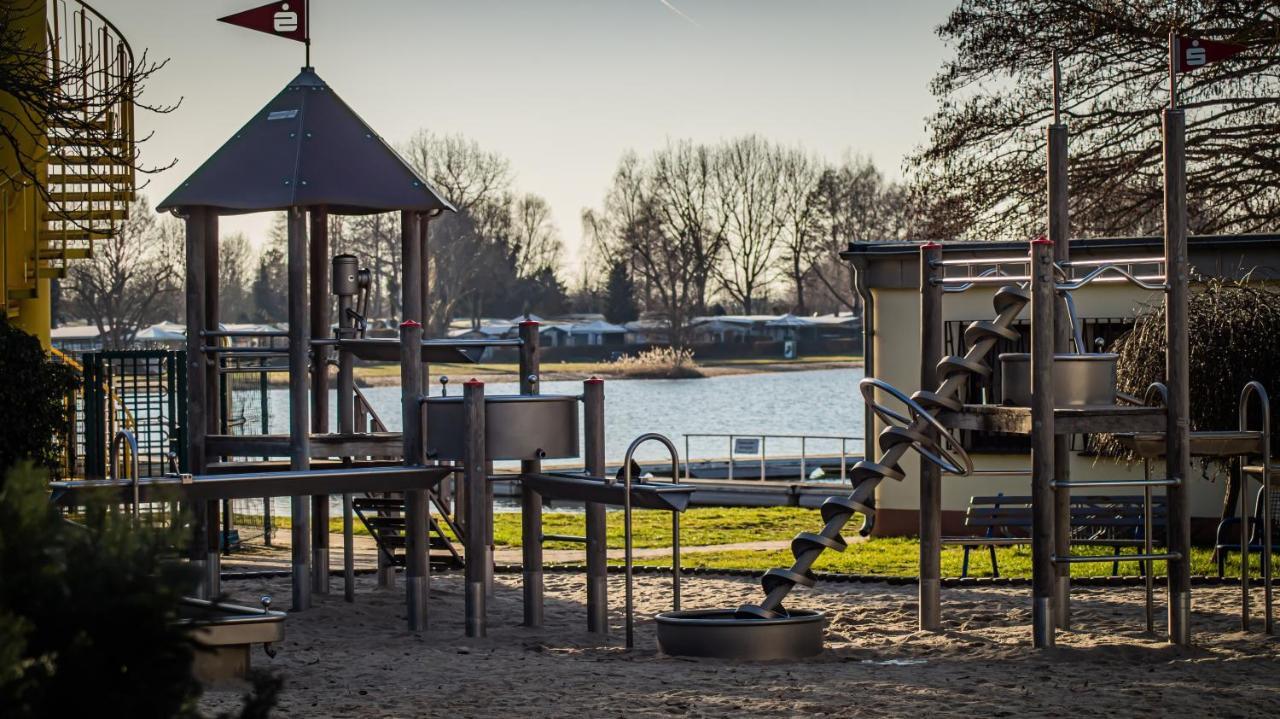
(853, 202)
(801, 244)
(536, 244)
(983, 165)
(132, 279)
(751, 214)
(684, 186)
(235, 258)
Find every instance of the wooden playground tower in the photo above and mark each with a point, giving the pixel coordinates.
(1044, 279)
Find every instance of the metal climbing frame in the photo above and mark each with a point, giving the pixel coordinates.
(918, 429)
(1262, 470)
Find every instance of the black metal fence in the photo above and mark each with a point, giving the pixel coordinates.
(142, 391)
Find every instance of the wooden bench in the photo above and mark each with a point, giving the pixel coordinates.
(1098, 521)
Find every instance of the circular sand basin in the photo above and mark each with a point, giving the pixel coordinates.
(720, 633)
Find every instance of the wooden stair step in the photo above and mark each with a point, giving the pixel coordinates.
(51, 273)
(83, 178)
(77, 140)
(86, 160)
(71, 253)
(121, 196)
(53, 237)
(106, 215)
(379, 503)
(23, 293)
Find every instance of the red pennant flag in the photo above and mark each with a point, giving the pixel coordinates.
(1194, 52)
(287, 18)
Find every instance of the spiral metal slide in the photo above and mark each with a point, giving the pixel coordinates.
(767, 630)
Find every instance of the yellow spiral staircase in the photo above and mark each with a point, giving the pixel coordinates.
(85, 159)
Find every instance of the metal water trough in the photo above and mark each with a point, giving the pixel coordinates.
(225, 634)
(528, 427)
(1079, 380)
(723, 634)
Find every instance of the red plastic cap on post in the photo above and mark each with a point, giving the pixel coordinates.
(595, 380)
(1042, 240)
(473, 382)
(527, 323)
(931, 245)
(410, 323)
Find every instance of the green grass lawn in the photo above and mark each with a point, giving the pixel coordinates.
(708, 526)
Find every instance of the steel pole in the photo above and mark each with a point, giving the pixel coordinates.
(931, 328)
(1060, 235)
(1043, 572)
(596, 530)
(343, 284)
(1177, 375)
(299, 404)
(477, 544)
(319, 293)
(417, 536)
(530, 500)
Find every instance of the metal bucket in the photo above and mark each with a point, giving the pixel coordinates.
(1079, 380)
(720, 633)
(541, 426)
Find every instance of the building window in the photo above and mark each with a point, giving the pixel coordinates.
(1099, 335)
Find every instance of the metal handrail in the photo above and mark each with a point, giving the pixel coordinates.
(125, 437)
(1146, 282)
(1251, 390)
(626, 526)
(764, 438)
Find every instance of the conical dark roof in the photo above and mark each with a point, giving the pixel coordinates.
(306, 148)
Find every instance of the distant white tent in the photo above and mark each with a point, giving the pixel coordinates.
(162, 332)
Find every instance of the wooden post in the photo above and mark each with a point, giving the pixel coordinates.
(417, 541)
(213, 402)
(197, 387)
(931, 328)
(319, 292)
(1177, 375)
(299, 401)
(596, 530)
(1043, 299)
(1059, 235)
(477, 544)
(530, 500)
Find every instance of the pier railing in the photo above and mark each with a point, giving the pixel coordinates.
(756, 446)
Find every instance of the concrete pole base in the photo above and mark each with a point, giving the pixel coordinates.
(475, 608)
(201, 569)
(1180, 618)
(213, 574)
(1042, 634)
(597, 605)
(301, 586)
(416, 591)
(1062, 603)
(930, 604)
(533, 599)
(320, 570)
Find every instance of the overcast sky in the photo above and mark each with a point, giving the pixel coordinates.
(560, 87)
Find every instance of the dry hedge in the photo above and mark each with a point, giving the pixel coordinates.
(1235, 338)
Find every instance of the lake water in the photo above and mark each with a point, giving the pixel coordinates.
(819, 402)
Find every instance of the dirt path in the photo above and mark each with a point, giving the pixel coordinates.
(358, 660)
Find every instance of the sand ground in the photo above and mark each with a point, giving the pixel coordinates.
(358, 660)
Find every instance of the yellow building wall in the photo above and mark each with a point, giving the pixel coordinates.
(897, 360)
(22, 207)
